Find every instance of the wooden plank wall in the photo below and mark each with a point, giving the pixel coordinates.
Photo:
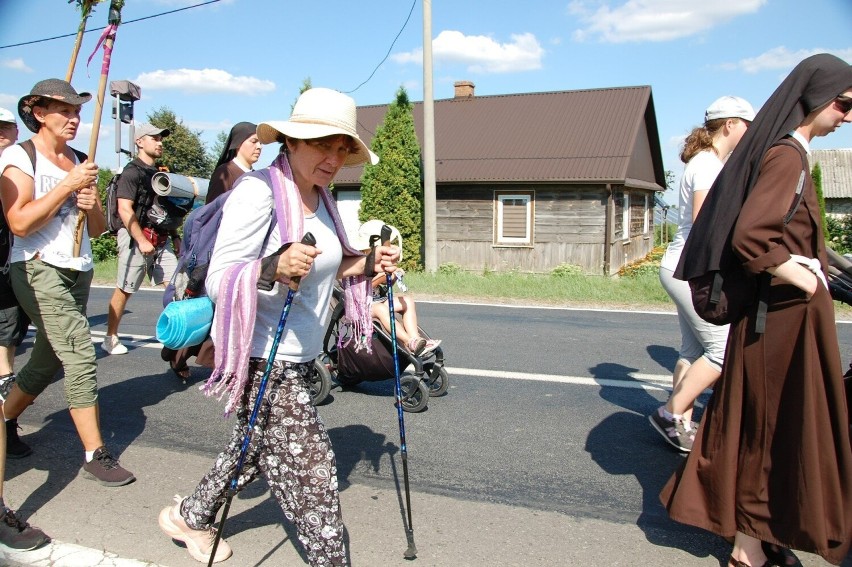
(569, 228)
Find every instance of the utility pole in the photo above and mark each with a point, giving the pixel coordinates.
(430, 237)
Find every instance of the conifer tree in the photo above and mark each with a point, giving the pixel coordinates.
(391, 190)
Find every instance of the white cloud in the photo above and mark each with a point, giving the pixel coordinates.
(9, 101)
(481, 54)
(16, 65)
(653, 20)
(780, 58)
(196, 81)
(220, 126)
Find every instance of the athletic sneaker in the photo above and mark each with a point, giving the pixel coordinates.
(6, 382)
(112, 345)
(199, 543)
(105, 469)
(15, 448)
(17, 534)
(673, 431)
(431, 345)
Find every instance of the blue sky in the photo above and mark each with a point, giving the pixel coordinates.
(239, 60)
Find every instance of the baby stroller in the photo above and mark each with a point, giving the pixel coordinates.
(840, 285)
(347, 368)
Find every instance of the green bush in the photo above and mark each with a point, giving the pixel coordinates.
(450, 269)
(566, 270)
(839, 233)
(104, 247)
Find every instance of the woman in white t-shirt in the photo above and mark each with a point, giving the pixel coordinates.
(702, 347)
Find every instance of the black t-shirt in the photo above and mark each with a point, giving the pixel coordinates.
(135, 182)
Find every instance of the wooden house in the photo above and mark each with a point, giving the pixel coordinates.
(531, 181)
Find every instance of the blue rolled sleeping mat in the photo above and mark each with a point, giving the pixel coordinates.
(185, 323)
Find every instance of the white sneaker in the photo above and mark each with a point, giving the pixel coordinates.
(112, 345)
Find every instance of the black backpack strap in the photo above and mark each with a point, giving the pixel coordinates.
(29, 149)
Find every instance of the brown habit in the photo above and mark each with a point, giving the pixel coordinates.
(772, 457)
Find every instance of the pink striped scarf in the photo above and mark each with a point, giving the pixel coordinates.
(237, 305)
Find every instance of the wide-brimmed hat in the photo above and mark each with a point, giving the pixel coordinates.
(729, 107)
(370, 230)
(318, 113)
(55, 89)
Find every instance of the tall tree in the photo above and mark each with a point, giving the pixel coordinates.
(816, 176)
(391, 190)
(183, 150)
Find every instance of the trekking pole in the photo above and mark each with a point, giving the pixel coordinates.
(232, 489)
(411, 552)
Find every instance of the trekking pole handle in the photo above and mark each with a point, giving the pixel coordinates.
(296, 280)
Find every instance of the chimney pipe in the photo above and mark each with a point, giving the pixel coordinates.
(464, 89)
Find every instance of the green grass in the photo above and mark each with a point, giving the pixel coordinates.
(642, 290)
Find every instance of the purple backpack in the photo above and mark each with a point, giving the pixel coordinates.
(199, 239)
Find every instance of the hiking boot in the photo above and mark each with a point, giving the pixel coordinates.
(199, 543)
(673, 431)
(15, 448)
(112, 345)
(431, 345)
(6, 383)
(17, 534)
(416, 345)
(105, 469)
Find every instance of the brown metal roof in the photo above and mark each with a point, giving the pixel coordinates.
(565, 136)
(836, 167)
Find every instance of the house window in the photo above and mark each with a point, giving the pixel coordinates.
(625, 217)
(513, 215)
(646, 214)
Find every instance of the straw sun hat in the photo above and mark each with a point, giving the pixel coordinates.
(55, 89)
(318, 113)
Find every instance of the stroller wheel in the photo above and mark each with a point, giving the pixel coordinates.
(415, 394)
(437, 380)
(320, 384)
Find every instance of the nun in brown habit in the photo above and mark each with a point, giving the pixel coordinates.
(771, 466)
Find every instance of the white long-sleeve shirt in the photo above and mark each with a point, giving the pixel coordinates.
(246, 217)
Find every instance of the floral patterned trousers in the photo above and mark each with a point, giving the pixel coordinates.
(291, 448)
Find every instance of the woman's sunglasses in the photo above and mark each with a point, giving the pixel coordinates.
(843, 104)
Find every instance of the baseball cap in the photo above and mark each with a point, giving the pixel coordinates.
(146, 129)
(729, 107)
(7, 116)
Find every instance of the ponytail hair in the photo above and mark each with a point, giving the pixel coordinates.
(701, 138)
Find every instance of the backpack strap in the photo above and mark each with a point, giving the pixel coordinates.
(766, 279)
(30, 150)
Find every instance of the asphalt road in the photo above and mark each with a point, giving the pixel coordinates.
(546, 411)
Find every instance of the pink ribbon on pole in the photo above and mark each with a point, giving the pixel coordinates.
(109, 32)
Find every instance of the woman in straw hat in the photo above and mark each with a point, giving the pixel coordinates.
(41, 197)
(289, 445)
(771, 466)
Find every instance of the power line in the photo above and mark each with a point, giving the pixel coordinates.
(104, 27)
(389, 51)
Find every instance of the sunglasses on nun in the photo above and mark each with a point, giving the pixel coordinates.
(843, 104)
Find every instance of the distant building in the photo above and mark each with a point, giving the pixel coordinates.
(534, 180)
(836, 167)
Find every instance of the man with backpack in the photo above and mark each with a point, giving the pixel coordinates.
(143, 243)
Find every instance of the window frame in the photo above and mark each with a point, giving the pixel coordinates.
(500, 196)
